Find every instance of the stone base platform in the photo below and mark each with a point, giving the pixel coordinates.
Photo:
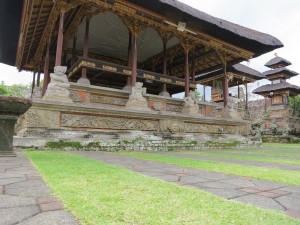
(103, 127)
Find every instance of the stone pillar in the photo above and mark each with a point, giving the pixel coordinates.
(84, 79)
(10, 109)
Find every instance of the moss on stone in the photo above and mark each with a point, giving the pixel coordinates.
(63, 144)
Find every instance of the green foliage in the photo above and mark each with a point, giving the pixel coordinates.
(295, 104)
(62, 144)
(16, 90)
(197, 94)
(98, 193)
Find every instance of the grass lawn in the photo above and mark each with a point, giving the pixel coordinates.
(245, 157)
(269, 174)
(98, 193)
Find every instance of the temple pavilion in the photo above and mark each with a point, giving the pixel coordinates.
(115, 43)
(97, 54)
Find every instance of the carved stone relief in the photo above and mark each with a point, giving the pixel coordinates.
(109, 100)
(105, 122)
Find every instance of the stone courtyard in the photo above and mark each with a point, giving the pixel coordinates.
(25, 198)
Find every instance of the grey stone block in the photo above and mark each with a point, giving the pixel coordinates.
(289, 202)
(10, 216)
(259, 201)
(8, 201)
(58, 217)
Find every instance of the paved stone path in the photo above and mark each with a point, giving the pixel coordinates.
(263, 194)
(25, 199)
(234, 161)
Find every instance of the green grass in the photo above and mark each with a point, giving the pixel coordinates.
(246, 158)
(268, 174)
(98, 193)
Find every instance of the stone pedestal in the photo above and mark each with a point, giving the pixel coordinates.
(165, 94)
(191, 106)
(10, 109)
(136, 99)
(57, 90)
(84, 80)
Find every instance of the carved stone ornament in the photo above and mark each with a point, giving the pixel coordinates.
(191, 106)
(136, 99)
(58, 87)
(230, 111)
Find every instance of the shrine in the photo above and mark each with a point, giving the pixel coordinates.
(111, 66)
(279, 117)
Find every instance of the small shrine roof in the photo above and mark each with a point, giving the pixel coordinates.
(278, 61)
(277, 87)
(280, 71)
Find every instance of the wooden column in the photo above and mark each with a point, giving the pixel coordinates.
(204, 94)
(73, 60)
(187, 74)
(265, 104)
(46, 70)
(246, 86)
(239, 95)
(164, 87)
(134, 59)
(33, 83)
(129, 56)
(38, 80)
(226, 91)
(86, 45)
(60, 39)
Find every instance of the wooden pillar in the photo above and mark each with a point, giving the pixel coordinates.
(38, 80)
(239, 95)
(204, 94)
(46, 70)
(73, 60)
(33, 82)
(187, 74)
(226, 91)
(134, 59)
(164, 87)
(246, 86)
(60, 39)
(86, 45)
(129, 57)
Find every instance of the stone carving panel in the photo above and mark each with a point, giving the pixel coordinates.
(173, 108)
(106, 122)
(75, 97)
(108, 100)
(172, 126)
(42, 118)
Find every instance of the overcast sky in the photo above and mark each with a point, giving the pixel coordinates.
(276, 17)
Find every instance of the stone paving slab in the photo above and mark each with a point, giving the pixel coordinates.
(263, 194)
(235, 161)
(25, 198)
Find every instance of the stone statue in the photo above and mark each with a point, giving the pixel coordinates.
(136, 99)
(273, 127)
(58, 87)
(286, 130)
(191, 106)
(257, 127)
(230, 111)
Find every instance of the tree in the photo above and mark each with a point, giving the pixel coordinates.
(16, 90)
(295, 104)
(197, 94)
